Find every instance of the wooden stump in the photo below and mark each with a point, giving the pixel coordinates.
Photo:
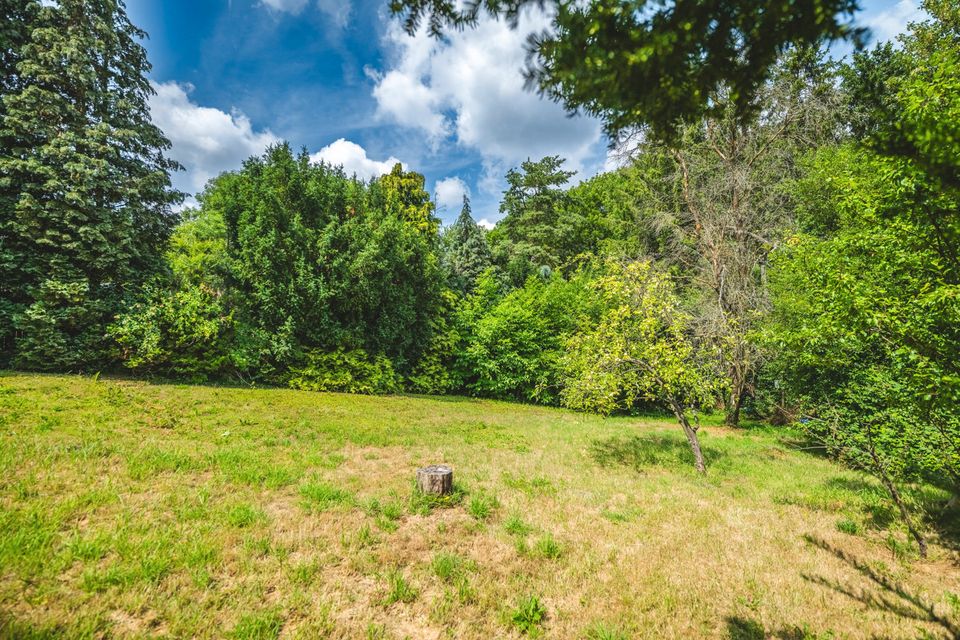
(436, 479)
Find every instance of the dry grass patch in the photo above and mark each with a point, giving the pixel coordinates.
(129, 510)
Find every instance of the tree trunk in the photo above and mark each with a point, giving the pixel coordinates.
(436, 479)
(691, 432)
(738, 389)
(734, 403)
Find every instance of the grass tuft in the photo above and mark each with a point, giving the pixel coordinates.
(320, 496)
(548, 547)
(258, 626)
(481, 507)
(398, 589)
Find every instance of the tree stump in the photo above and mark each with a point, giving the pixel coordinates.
(436, 479)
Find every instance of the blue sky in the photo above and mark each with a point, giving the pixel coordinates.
(340, 78)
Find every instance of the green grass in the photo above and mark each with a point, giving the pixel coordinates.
(130, 509)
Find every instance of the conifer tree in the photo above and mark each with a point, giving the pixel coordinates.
(85, 195)
(466, 254)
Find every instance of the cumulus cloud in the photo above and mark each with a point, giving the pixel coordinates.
(888, 24)
(353, 158)
(206, 141)
(470, 87)
(486, 224)
(449, 193)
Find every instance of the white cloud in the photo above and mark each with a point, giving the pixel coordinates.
(353, 158)
(206, 141)
(449, 193)
(486, 224)
(287, 6)
(337, 10)
(470, 87)
(888, 24)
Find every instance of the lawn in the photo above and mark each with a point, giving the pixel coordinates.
(130, 509)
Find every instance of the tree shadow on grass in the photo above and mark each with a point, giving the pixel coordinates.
(886, 595)
(640, 452)
(740, 628)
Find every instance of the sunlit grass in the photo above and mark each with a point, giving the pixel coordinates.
(136, 510)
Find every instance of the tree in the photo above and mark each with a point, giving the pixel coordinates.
(867, 311)
(319, 261)
(513, 343)
(638, 62)
(528, 238)
(733, 208)
(465, 251)
(405, 197)
(642, 347)
(84, 183)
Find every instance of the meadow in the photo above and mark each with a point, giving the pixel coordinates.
(130, 509)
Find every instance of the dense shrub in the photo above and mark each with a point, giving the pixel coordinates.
(180, 333)
(351, 371)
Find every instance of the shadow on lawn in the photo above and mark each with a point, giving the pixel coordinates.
(740, 628)
(886, 595)
(639, 452)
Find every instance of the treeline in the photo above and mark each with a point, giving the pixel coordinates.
(797, 258)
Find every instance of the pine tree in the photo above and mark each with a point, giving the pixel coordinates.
(85, 195)
(466, 254)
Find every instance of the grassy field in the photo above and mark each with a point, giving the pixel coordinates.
(136, 510)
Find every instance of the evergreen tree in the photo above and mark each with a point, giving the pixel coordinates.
(527, 238)
(84, 183)
(466, 253)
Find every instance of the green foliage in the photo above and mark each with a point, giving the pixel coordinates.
(528, 615)
(62, 330)
(350, 371)
(398, 589)
(186, 332)
(405, 197)
(513, 346)
(465, 252)
(435, 372)
(85, 197)
(528, 238)
(603, 56)
(320, 261)
(867, 316)
(641, 348)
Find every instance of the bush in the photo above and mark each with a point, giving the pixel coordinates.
(351, 371)
(184, 333)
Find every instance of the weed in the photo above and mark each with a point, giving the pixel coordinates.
(449, 567)
(303, 573)
(528, 615)
(244, 515)
(424, 503)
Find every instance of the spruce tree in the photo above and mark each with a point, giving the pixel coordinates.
(85, 195)
(466, 253)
